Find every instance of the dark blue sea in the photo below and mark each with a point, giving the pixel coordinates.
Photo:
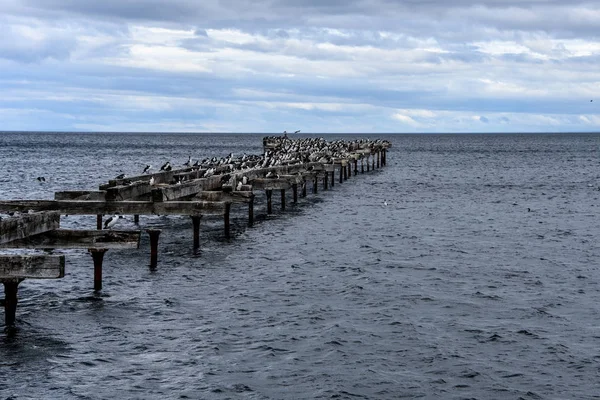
(479, 280)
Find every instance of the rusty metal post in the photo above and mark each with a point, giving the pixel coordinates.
(98, 257)
(384, 159)
(226, 220)
(325, 180)
(196, 224)
(283, 199)
(295, 192)
(355, 167)
(341, 174)
(304, 188)
(136, 219)
(378, 159)
(251, 211)
(99, 222)
(373, 162)
(362, 166)
(11, 288)
(315, 185)
(332, 177)
(346, 172)
(269, 201)
(368, 163)
(154, 234)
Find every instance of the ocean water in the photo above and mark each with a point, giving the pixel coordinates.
(478, 280)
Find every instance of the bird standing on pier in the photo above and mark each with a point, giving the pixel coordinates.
(147, 169)
(166, 166)
(151, 181)
(112, 221)
(120, 176)
(188, 162)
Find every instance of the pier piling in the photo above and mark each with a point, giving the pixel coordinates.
(154, 234)
(269, 201)
(251, 211)
(226, 220)
(283, 199)
(196, 225)
(98, 257)
(11, 287)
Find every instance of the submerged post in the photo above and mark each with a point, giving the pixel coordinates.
(99, 222)
(378, 159)
(98, 257)
(11, 287)
(154, 234)
(251, 211)
(315, 185)
(355, 167)
(362, 166)
(373, 162)
(269, 201)
(345, 172)
(196, 224)
(226, 219)
(368, 163)
(341, 174)
(325, 180)
(136, 219)
(283, 199)
(295, 193)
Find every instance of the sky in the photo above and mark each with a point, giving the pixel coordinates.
(368, 66)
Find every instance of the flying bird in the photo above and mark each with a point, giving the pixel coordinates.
(298, 131)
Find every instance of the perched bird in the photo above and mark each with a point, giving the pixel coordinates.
(188, 162)
(147, 169)
(151, 181)
(166, 166)
(120, 176)
(112, 221)
(239, 186)
(244, 180)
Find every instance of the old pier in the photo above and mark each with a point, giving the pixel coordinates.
(208, 187)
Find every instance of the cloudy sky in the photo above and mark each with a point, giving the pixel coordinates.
(315, 65)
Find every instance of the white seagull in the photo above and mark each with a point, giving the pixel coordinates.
(112, 221)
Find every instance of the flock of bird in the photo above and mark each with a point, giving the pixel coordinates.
(279, 151)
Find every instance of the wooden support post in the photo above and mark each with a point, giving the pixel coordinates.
(355, 167)
(11, 287)
(98, 257)
(136, 219)
(325, 180)
(196, 225)
(304, 188)
(154, 234)
(315, 185)
(251, 211)
(341, 174)
(378, 159)
(99, 222)
(332, 177)
(282, 199)
(269, 201)
(295, 192)
(226, 220)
